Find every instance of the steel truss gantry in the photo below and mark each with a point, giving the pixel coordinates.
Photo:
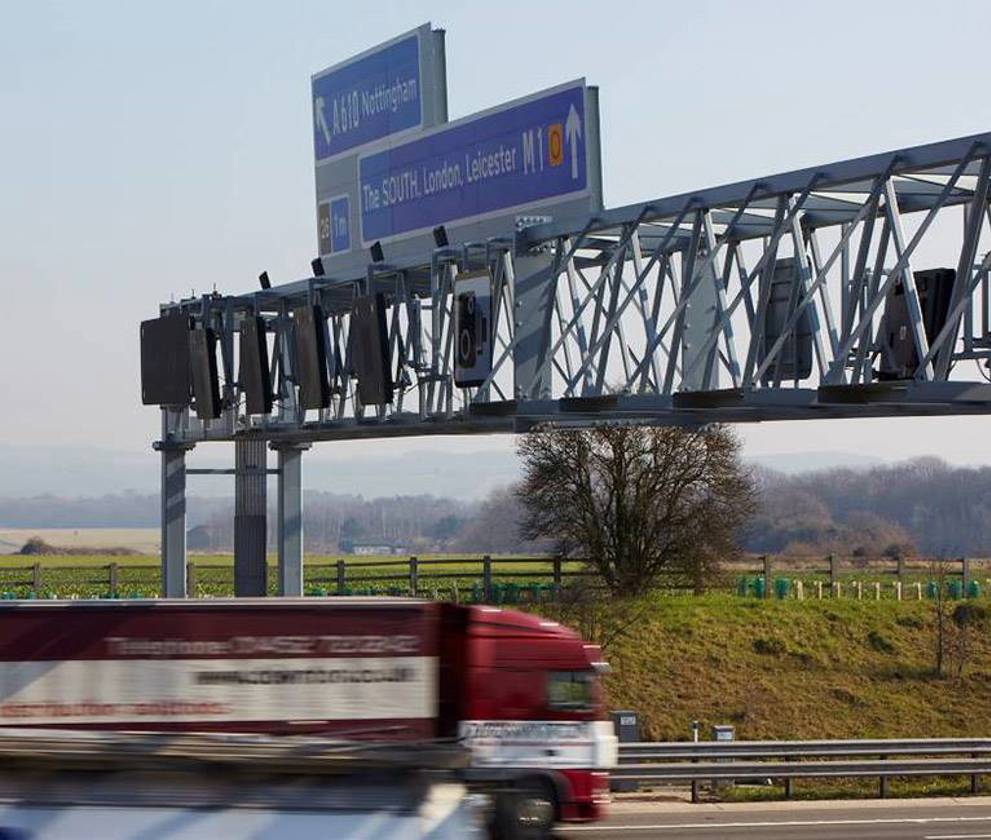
(655, 313)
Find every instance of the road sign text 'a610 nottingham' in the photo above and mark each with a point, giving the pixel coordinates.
(371, 97)
(523, 155)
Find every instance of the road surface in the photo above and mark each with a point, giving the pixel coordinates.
(931, 819)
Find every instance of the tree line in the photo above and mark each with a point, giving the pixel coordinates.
(923, 506)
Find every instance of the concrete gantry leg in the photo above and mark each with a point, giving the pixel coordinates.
(173, 497)
(290, 517)
(250, 510)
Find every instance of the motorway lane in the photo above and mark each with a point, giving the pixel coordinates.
(933, 819)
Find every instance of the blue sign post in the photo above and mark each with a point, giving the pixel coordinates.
(369, 98)
(520, 155)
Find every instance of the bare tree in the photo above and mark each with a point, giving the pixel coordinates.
(941, 616)
(969, 619)
(953, 625)
(638, 503)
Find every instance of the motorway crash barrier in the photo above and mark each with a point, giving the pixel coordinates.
(712, 761)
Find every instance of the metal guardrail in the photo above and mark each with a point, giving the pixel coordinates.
(787, 760)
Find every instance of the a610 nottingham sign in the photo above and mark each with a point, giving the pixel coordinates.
(367, 98)
(510, 158)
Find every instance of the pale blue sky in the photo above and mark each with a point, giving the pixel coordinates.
(152, 148)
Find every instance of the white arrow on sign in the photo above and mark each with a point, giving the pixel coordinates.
(322, 119)
(573, 128)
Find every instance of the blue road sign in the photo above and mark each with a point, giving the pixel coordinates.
(340, 224)
(514, 157)
(368, 98)
(334, 225)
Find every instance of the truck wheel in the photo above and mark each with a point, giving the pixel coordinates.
(526, 813)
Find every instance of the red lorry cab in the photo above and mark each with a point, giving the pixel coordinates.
(521, 692)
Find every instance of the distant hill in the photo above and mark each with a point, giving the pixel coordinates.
(69, 471)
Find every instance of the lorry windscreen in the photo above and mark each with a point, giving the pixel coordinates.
(571, 691)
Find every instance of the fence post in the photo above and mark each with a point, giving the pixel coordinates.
(965, 573)
(113, 579)
(342, 577)
(414, 573)
(799, 590)
(918, 591)
(834, 571)
(36, 579)
(191, 579)
(877, 591)
(557, 571)
(898, 590)
(767, 575)
(819, 590)
(860, 590)
(487, 578)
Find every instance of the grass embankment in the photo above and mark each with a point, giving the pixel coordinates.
(790, 669)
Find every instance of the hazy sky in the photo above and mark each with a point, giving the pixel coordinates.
(149, 149)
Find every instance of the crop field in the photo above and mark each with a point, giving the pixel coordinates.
(514, 579)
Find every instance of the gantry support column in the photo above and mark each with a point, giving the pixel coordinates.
(700, 319)
(534, 292)
(173, 499)
(250, 532)
(290, 517)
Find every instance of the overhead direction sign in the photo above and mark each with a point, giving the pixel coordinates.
(368, 98)
(516, 157)
(390, 91)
